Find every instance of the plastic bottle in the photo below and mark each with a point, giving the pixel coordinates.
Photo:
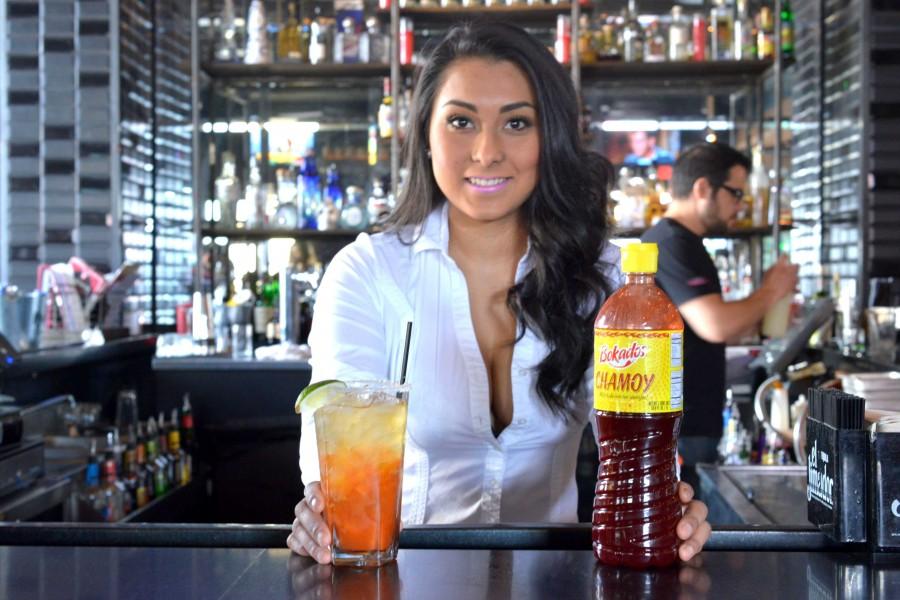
(638, 336)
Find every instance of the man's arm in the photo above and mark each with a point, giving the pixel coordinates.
(717, 321)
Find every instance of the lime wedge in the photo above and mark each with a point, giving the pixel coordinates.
(318, 394)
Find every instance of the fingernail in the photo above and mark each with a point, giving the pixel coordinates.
(321, 537)
(312, 502)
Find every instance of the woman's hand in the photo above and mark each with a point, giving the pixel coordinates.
(693, 529)
(309, 533)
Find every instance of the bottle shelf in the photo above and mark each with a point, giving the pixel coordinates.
(520, 13)
(290, 72)
(346, 235)
(718, 74)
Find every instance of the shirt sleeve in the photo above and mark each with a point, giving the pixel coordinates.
(347, 337)
(684, 271)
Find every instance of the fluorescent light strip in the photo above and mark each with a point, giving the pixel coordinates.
(308, 127)
(625, 125)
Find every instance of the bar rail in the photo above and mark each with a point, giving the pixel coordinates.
(512, 536)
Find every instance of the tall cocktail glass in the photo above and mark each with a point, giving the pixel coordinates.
(360, 436)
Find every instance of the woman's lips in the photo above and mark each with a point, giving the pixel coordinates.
(488, 184)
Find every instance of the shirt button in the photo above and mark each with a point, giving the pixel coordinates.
(523, 372)
(521, 421)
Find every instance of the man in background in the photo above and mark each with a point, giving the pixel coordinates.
(708, 186)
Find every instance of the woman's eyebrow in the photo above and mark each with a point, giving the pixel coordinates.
(505, 108)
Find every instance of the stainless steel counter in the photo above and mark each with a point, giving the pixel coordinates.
(754, 494)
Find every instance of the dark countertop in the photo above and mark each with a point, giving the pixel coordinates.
(219, 363)
(49, 359)
(224, 573)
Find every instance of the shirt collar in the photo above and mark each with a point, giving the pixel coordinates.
(434, 234)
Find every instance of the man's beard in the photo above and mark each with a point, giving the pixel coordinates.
(711, 220)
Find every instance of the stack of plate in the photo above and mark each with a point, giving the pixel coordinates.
(880, 390)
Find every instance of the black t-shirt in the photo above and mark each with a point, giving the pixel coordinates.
(686, 272)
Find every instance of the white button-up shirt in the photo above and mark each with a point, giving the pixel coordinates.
(455, 469)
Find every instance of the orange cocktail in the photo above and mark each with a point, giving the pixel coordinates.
(360, 437)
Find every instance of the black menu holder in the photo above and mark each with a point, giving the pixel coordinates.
(836, 477)
(884, 490)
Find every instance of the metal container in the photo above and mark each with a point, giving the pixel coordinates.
(21, 317)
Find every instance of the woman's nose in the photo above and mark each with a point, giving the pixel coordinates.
(488, 148)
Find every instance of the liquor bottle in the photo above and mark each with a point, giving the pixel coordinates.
(228, 190)
(679, 36)
(333, 200)
(407, 41)
(91, 496)
(151, 467)
(226, 42)
(655, 46)
(378, 208)
(354, 215)
(252, 209)
(765, 34)
(348, 45)
(187, 424)
(309, 191)
(160, 463)
(744, 41)
(113, 501)
(638, 370)
(305, 37)
(385, 112)
(129, 480)
(722, 22)
(258, 51)
(319, 46)
(699, 34)
(632, 35)
(141, 493)
(586, 53)
(289, 36)
(787, 29)
(372, 144)
(378, 43)
(179, 460)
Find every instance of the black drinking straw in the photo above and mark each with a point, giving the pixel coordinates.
(405, 352)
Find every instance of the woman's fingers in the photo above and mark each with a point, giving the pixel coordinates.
(309, 533)
(685, 492)
(694, 514)
(690, 547)
(693, 528)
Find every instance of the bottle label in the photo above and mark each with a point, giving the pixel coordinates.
(638, 371)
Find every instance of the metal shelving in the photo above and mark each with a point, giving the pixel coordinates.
(291, 72)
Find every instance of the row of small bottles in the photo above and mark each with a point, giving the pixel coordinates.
(152, 461)
(727, 32)
(263, 38)
(299, 199)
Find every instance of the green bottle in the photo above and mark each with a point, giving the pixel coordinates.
(787, 30)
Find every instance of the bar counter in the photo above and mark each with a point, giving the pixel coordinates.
(224, 561)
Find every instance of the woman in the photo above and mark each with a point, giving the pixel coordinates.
(498, 253)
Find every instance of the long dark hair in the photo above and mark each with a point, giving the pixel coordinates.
(566, 214)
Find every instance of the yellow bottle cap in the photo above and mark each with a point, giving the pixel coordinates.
(640, 258)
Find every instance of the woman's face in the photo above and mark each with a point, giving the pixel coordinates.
(484, 139)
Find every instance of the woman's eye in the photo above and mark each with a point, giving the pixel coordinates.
(519, 124)
(459, 122)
